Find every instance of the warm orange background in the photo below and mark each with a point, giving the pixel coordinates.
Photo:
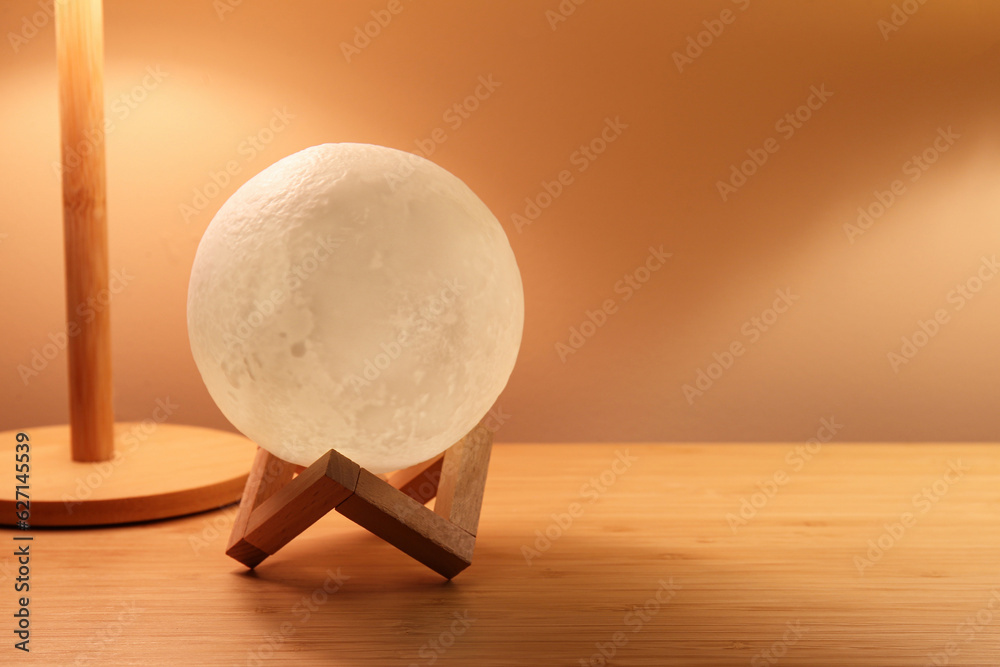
(655, 184)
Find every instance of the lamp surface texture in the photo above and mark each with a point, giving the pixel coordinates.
(358, 298)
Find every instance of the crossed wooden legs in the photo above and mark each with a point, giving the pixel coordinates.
(277, 504)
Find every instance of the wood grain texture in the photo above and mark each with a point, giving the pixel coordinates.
(301, 502)
(160, 593)
(159, 470)
(419, 482)
(409, 526)
(80, 53)
(268, 474)
(463, 479)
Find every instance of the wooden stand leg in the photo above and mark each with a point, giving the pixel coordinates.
(276, 507)
(409, 526)
(463, 479)
(267, 474)
(302, 502)
(419, 482)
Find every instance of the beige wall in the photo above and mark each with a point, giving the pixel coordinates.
(655, 185)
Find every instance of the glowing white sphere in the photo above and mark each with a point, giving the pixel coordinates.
(359, 298)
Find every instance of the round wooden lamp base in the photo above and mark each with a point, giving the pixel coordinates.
(158, 471)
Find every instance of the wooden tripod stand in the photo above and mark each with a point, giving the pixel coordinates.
(277, 505)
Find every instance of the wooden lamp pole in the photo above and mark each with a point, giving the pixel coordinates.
(159, 470)
(80, 48)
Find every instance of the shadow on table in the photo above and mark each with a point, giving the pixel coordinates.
(363, 602)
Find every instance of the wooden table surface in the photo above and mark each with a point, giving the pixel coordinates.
(712, 554)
